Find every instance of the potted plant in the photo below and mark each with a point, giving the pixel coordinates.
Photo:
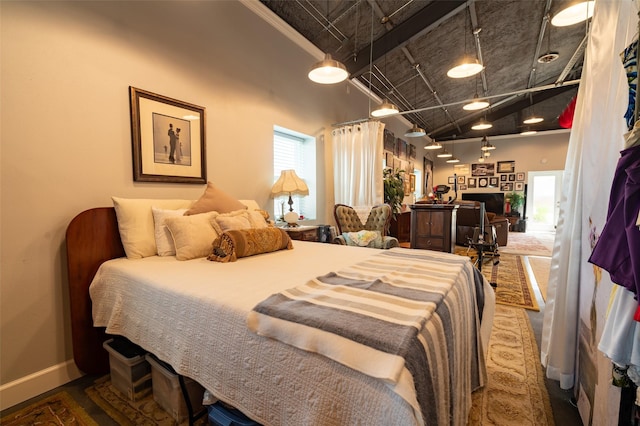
(393, 189)
(516, 200)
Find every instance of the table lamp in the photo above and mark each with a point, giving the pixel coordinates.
(289, 183)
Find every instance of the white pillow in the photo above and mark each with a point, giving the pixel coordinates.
(239, 219)
(164, 240)
(135, 223)
(193, 235)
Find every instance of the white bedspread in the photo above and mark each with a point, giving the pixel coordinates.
(192, 314)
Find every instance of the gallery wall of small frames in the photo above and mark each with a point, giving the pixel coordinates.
(501, 176)
(400, 155)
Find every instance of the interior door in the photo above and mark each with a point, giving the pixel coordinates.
(543, 200)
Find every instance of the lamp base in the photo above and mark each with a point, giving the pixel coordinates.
(291, 218)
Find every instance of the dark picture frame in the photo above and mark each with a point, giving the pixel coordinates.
(483, 169)
(471, 182)
(512, 177)
(461, 180)
(483, 182)
(506, 166)
(506, 187)
(168, 139)
(493, 182)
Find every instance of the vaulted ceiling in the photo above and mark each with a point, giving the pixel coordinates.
(415, 43)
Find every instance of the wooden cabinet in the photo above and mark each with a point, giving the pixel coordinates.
(433, 227)
(401, 226)
(303, 233)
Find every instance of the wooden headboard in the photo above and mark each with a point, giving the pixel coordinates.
(92, 238)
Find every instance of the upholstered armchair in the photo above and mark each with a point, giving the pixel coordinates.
(373, 233)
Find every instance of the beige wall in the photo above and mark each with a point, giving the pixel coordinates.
(66, 139)
(540, 152)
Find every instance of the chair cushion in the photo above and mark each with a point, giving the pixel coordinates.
(363, 238)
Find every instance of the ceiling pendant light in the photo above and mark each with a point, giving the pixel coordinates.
(469, 66)
(433, 145)
(485, 145)
(328, 71)
(577, 12)
(527, 131)
(481, 159)
(476, 104)
(533, 119)
(415, 132)
(482, 125)
(385, 109)
(453, 159)
(445, 154)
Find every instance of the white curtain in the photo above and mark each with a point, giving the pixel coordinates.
(595, 141)
(357, 164)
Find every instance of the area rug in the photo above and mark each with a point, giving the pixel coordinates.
(144, 411)
(540, 267)
(529, 244)
(515, 393)
(513, 286)
(58, 409)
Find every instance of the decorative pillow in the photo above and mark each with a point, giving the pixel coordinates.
(136, 226)
(192, 235)
(164, 240)
(239, 219)
(364, 238)
(214, 199)
(234, 244)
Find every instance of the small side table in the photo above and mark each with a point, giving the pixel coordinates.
(303, 233)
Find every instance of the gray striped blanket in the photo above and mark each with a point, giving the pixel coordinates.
(399, 312)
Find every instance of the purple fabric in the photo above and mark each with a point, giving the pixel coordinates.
(618, 248)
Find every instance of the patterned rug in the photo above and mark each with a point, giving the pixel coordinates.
(144, 411)
(515, 393)
(513, 284)
(540, 244)
(58, 409)
(540, 266)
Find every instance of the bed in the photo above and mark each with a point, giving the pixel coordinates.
(193, 314)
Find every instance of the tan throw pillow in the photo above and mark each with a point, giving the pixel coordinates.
(136, 226)
(215, 200)
(192, 235)
(234, 244)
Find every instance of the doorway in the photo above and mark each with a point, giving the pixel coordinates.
(543, 200)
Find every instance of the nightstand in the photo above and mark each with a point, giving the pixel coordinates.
(303, 233)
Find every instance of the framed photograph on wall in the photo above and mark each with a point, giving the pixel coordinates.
(493, 182)
(451, 180)
(483, 182)
(519, 186)
(461, 180)
(427, 166)
(462, 187)
(506, 166)
(483, 169)
(471, 182)
(412, 182)
(506, 187)
(461, 169)
(520, 177)
(503, 178)
(512, 177)
(168, 138)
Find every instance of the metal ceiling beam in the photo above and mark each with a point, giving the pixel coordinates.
(497, 114)
(420, 23)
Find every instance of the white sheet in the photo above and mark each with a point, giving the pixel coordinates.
(192, 314)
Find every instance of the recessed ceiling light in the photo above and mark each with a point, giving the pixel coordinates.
(548, 57)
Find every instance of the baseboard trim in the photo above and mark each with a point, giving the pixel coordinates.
(37, 383)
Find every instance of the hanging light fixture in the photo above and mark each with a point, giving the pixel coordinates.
(453, 158)
(482, 125)
(445, 154)
(469, 66)
(328, 71)
(476, 104)
(533, 119)
(433, 145)
(485, 145)
(386, 108)
(577, 12)
(527, 131)
(415, 131)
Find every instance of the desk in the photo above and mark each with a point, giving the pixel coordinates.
(433, 227)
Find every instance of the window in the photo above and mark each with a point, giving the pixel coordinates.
(293, 150)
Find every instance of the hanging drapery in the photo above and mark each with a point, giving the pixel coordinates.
(578, 292)
(357, 163)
